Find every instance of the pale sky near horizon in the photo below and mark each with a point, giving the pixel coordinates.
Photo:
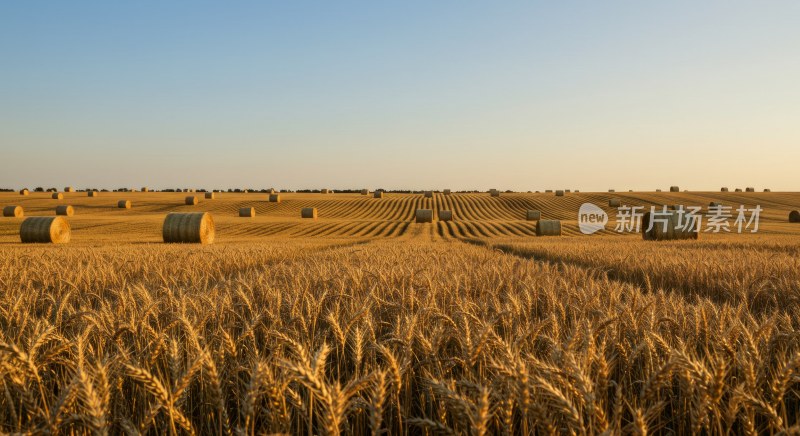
(449, 94)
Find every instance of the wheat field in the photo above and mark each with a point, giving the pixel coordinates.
(364, 322)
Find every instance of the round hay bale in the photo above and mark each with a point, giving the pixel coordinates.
(794, 216)
(533, 215)
(145, 189)
(723, 189)
(69, 189)
(446, 192)
(210, 195)
(324, 191)
(65, 210)
(92, 193)
(275, 198)
(247, 212)
(559, 193)
(378, 194)
(659, 233)
(548, 191)
(658, 190)
(124, 204)
(57, 196)
(308, 212)
(428, 194)
(494, 193)
(365, 192)
(548, 228)
(567, 191)
(750, 189)
(24, 192)
(611, 190)
(191, 200)
(13, 212)
(674, 189)
(424, 215)
(614, 202)
(270, 191)
(445, 215)
(190, 228)
(767, 190)
(45, 229)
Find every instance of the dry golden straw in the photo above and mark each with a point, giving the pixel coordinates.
(210, 196)
(24, 192)
(424, 215)
(191, 200)
(92, 193)
(124, 204)
(559, 193)
(548, 228)
(614, 202)
(57, 196)
(308, 212)
(13, 211)
(192, 227)
(45, 229)
(533, 215)
(446, 192)
(65, 210)
(247, 212)
(275, 198)
(378, 194)
(428, 194)
(666, 227)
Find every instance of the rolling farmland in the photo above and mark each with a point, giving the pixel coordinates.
(363, 321)
(476, 216)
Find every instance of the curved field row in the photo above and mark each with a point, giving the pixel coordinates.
(318, 229)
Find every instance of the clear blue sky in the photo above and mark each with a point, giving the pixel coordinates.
(418, 94)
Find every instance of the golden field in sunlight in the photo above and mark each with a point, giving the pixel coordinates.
(99, 220)
(363, 321)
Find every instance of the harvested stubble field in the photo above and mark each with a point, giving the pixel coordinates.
(363, 322)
